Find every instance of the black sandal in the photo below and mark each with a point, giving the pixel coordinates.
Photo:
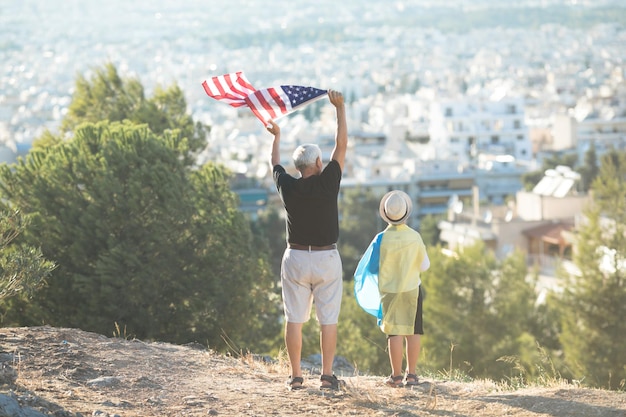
(295, 383)
(394, 381)
(413, 383)
(332, 379)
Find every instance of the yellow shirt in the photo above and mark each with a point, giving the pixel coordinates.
(402, 254)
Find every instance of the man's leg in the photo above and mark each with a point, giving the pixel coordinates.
(293, 340)
(328, 344)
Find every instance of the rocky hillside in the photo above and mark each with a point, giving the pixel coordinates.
(70, 372)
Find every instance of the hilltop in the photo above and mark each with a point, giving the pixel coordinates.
(70, 372)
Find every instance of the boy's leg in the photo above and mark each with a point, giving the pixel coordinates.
(413, 346)
(395, 347)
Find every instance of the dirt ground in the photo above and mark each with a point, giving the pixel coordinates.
(70, 372)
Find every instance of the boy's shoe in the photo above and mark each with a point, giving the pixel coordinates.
(295, 383)
(332, 382)
(411, 380)
(394, 381)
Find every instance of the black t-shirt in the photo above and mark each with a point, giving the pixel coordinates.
(311, 205)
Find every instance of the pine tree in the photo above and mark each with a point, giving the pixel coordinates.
(142, 241)
(477, 311)
(108, 96)
(594, 301)
(23, 269)
(589, 170)
(146, 243)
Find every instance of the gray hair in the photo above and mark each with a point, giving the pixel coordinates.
(306, 155)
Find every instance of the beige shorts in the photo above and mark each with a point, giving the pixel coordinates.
(308, 277)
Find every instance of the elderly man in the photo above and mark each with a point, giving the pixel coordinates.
(311, 269)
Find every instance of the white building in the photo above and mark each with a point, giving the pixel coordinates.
(608, 132)
(464, 128)
(537, 223)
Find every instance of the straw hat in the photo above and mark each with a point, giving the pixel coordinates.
(395, 207)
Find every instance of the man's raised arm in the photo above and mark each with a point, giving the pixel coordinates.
(341, 136)
(275, 153)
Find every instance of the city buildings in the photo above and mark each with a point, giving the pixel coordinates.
(450, 116)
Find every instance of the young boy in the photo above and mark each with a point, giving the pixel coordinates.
(387, 284)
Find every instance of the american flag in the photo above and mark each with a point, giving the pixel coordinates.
(268, 103)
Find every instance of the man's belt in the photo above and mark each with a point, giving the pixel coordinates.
(310, 248)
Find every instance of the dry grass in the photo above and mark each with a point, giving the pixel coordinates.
(53, 370)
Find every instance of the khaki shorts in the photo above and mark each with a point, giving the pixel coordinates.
(308, 277)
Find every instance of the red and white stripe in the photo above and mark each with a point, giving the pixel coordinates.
(230, 88)
(269, 103)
